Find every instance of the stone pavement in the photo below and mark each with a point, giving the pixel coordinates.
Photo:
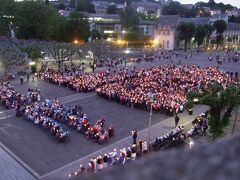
(10, 168)
(158, 129)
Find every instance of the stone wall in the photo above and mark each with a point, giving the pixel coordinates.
(217, 161)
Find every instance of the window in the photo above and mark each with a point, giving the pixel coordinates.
(167, 44)
(163, 32)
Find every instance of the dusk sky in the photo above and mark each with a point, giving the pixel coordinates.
(232, 2)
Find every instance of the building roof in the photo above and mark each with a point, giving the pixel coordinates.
(109, 16)
(142, 22)
(219, 15)
(198, 21)
(233, 26)
(169, 20)
(146, 5)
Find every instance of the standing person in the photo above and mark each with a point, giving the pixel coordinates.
(205, 127)
(134, 136)
(176, 120)
(32, 77)
(28, 77)
(21, 79)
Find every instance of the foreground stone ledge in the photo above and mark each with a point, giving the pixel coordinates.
(213, 161)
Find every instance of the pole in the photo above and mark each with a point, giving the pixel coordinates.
(149, 127)
(235, 120)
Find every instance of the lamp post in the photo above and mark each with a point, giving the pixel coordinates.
(236, 116)
(127, 51)
(151, 96)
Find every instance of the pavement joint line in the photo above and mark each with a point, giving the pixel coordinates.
(20, 161)
(7, 116)
(118, 142)
(85, 97)
(6, 111)
(72, 95)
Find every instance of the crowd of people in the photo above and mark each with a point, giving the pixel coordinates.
(116, 157)
(227, 56)
(39, 117)
(52, 114)
(120, 157)
(168, 83)
(134, 152)
(173, 138)
(10, 98)
(200, 125)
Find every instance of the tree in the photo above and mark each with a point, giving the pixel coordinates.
(186, 32)
(61, 6)
(213, 5)
(10, 56)
(222, 102)
(219, 39)
(95, 34)
(72, 4)
(6, 13)
(175, 8)
(77, 27)
(46, 2)
(98, 48)
(220, 26)
(35, 20)
(129, 18)
(200, 35)
(209, 30)
(61, 52)
(234, 19)
(133, 35)
(85, 5)
(112, 9)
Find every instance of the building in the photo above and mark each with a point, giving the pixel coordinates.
(215, 12)
(165, 32)
(232, 35)
(197, 21)
(147, 8)
(147, 28)
(100, 6)
(188, 6)
(219, 17)
(232, 13)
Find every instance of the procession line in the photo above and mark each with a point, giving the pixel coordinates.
(105, 148)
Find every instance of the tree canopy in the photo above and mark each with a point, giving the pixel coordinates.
(77, 27)
(129, 18)
(85, 5)
(186, 32)
(200, 34)
(36, 20)
(222, 101)
(175, 8)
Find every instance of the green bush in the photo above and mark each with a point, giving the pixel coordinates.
(34, 68)
(189, 104)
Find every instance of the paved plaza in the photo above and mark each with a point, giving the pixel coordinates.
(34, 153)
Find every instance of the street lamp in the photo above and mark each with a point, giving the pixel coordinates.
(127, 51)
(75, 41)
(151, 96)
